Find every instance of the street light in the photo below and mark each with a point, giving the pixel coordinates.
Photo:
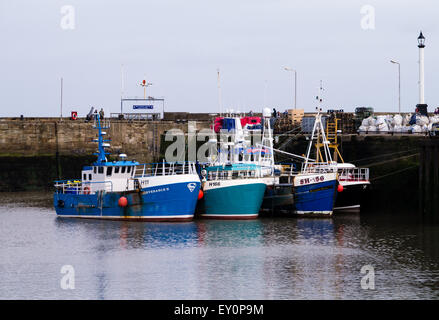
(295, 83)
(399, 84)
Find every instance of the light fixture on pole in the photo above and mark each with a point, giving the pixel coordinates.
(295, 84)
(399, 84)
(145, 84)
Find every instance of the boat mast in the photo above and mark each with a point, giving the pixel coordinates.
(101, 145)
(219, 92)
(267, 142)
(318, 132)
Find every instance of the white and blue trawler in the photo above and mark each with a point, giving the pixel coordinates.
(315, 187)
(127, 190)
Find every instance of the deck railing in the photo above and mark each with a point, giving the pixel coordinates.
(164, 169)
(80, 187)
(232, 174)
(353, 174)
(319, 167)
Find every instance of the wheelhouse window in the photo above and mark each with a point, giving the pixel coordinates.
(101, 169)
(128, 169)
(109, 171)
(123, 169)
(89, 176)
(116, 169)
(84, 176)
(94, 169)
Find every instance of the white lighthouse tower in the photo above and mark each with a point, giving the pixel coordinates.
(422, 106)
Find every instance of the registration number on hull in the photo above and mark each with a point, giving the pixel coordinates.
(311, 180)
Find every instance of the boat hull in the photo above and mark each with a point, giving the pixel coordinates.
(315, 194)
(232, 199)
(278, 198)
(350, 199)
(170, 202)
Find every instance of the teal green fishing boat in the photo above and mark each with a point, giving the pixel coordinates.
(233, 191)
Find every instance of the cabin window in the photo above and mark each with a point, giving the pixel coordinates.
(116, 169)
(94, 169)
(89, 176)
(123, 169)
(101, 169)
(84, 177)
(128, 169)
(109, 171)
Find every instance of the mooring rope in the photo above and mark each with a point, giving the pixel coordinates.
(392, 173)
(391, 160)
(383, 155)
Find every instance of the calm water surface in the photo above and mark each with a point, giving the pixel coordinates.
(263, 259)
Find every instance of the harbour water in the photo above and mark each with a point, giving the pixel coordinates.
(267, 258)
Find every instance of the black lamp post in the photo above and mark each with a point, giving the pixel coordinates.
(421, 41)
(422, 106)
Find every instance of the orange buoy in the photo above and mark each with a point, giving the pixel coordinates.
(200, 194)
(340, 188)
(123, 202)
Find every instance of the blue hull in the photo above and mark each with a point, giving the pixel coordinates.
(171, 202)
(316, 198)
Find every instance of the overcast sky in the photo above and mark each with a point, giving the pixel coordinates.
(178, 46)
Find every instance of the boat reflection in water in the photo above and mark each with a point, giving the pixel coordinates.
(135, 235)
(214, 259)
(231, 259)
(135, 260)
(267, 258)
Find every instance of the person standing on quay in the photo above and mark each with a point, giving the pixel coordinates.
(101, 113)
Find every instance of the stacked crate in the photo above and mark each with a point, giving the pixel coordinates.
(289, 120)
(346, 122)
(296, 116)
(283, 124)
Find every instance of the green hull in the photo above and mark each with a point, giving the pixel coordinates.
(233, 202)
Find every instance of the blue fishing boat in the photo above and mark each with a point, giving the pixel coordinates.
(232, 191)
(127, 190)
(315, 193)
(315, 187)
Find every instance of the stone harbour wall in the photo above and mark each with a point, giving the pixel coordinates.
(38, 137)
